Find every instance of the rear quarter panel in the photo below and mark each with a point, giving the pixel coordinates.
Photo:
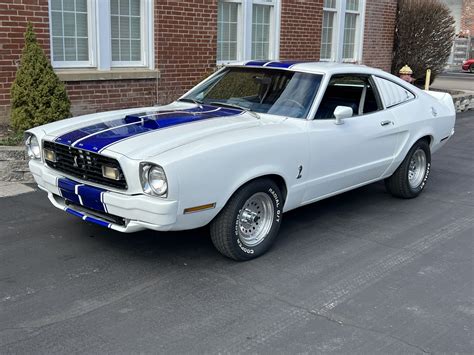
(423, 116)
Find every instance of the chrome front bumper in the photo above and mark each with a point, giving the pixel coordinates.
(139, 212)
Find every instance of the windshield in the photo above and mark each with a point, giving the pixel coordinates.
(273, 91)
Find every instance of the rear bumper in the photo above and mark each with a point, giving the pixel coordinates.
(95, 205)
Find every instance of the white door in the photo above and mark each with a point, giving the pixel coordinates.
(355, 152)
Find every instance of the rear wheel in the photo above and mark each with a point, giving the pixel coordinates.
(248, 224)
(409, 180)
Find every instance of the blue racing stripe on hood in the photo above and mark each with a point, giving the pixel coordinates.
(133, 125)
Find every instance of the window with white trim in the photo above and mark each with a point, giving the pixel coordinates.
(101, 34)
(342, 30)
(351, 28)
(327, 34)
(247, 29)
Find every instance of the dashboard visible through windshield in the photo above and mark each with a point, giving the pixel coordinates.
(262, 90)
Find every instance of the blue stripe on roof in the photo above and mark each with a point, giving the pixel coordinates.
(272, 64)
(257, 63)
(283, 64)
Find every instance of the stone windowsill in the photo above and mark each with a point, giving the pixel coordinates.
(69, 75)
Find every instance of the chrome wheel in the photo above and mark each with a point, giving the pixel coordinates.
(255, 219)
(417, 168)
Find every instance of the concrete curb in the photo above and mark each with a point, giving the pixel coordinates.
(14, 165)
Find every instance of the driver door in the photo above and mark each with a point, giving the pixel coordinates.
(359, 150)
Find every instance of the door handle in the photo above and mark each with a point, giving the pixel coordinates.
(386, 123)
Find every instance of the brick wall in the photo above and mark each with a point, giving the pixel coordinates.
(379, 33)
(185, 44)
(301, 23)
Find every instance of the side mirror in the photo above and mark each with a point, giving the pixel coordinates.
(342, 112)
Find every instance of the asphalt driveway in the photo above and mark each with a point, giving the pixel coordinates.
(358, 273)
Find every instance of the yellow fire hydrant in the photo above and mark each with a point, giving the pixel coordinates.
(406, 73)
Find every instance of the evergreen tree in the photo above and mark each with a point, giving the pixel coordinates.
(37, 94)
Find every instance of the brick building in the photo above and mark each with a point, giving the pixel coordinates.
(124, 53)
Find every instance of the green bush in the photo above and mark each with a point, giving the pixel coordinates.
(424, 34)
(37, 94)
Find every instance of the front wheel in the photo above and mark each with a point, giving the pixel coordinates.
(409, 180)
(248, 224)
(471, 68)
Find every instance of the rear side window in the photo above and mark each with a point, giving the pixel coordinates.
(392, 94)
(354, 91)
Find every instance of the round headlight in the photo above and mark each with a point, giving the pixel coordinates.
(33, 147)
(155, 179)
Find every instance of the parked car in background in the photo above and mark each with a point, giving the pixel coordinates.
(468, 65)
(251, 142)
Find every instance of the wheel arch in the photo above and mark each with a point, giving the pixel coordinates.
(278, 179)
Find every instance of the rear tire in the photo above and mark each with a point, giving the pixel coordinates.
(409, 180)
(248, 224)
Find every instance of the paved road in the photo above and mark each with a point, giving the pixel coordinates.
(454, 81)
(360, 273)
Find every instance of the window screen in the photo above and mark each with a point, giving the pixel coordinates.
(69, 27)
(125, 30)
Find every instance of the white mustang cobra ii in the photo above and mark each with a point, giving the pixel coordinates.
(247, 144)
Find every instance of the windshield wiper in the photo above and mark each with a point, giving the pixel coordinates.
(225, 104)
(194, 101)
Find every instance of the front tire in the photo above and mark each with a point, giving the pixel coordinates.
(248, 224)
(471, 68)
(409, 180)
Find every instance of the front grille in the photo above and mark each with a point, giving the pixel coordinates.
(84, 164)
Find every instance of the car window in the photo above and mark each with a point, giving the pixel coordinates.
(263, 90)
(354, 91)
(392, 93)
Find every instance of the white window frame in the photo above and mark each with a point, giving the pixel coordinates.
(91, 23)
(100, 42)
(335, 30)
(244, 36)
(240, 30)
(338, 33)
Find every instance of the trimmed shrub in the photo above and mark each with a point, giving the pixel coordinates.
(37, 94)
(424, 34)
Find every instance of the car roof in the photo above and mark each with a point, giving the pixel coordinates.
(311, 67)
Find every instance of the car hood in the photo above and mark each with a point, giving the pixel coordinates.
(140, 134)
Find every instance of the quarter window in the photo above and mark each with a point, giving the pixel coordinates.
(392, 93)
